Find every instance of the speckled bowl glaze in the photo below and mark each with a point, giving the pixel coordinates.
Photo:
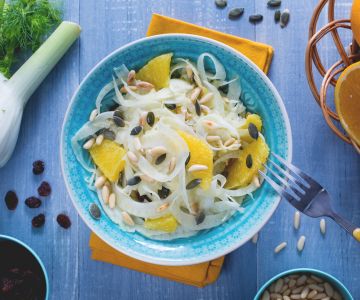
(344, 292)
(259, 95)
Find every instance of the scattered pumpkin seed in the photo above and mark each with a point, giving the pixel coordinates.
(274, 3)
(253, 131)
(236, 13)
(133, 181)
(199, 218)
(109, 135)
(197, 108)
(150, 118)
(95, 211)
(163, 192)
(188, 159)
(136, 130)
(160, 159)
(284, 18)
(249, 161)
(255, 19)
(220, 3)
(193, 183)
(277, 16)
(118, 120)
(170, 106)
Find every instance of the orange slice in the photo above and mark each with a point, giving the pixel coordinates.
(347, 100)
(256, 120)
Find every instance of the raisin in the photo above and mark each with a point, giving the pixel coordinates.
(63, 221)
(38, 167)
(11, 200)
(38, 220)
(33, 202)
(44, 189)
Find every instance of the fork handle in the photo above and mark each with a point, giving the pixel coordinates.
(349, 227)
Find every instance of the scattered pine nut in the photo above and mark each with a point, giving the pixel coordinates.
(189, 72)
(99, 182)
(256, 181)
(127, 218)
(280, 247)
(147, 178)
(195, 168)
(301, 243)
(112, 200)
(255, 238)
(229, 142)
(142, 120)
(297, 220)
(156, 151)
(105, 194)
(195, 94)
(322, 226)
(163, 207)
(172, 164)
(206, 98)
(205, 109)
(144, 85)
(213, 138)
(133, 158)
(137, 144)
(99, 139)
(131, 77)
(130, 87)
(88, 145)
(93, 115)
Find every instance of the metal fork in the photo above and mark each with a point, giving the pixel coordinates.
(304, 193)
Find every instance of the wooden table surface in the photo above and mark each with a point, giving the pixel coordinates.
(110, 24)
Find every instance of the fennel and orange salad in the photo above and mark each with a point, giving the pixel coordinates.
(177, 153)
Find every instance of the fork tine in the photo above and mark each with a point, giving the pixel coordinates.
(296, 170)
(281, 191)
(288, 175)
(284, 182)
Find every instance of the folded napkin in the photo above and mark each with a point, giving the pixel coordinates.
(202, 274)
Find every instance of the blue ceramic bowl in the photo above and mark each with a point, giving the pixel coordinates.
(36, 257)
(327, 277)
(259, 95)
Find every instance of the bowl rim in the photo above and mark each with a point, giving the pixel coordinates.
(35, 255)
(208, 257)
(344, 291)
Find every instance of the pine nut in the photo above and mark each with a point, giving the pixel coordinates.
(156, 151)
(328, 289)
(189, 72)
(316, 287)
(93, 115)
(130, 87)
(105, 194)
(229, 142)
(275, 296)
(137, 144)
(99, 139)
(195, 94)
(312, 294)
(304, 293)
(322, 226)
(280, 247)
(256, 181)
(317, 279)
(163, 207)
(112, 200)
(127, 218)
(131, 77)
(297, 290)
(285, 297)
(265, 296)
(279, 284)
(144, 85)
(172, 164)
(295, 296)
(255, 238)
(195, 168)
(301, 280)
(297, 220)
(301, 243)
(336, 296)
(319, 296)
(292, 283)
(147, 178)
(89, 144)
(206, 98)
(287, 292)
(99, 182)
(205, 109)
(213, 138)
(133, 158)
(142, 120)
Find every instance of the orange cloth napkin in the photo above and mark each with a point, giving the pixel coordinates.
(202, 274)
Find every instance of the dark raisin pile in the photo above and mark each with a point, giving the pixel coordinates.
(44, 189)
(38, 220)
(33, 202)
(11, 200)
(38, 167)
(64, 221)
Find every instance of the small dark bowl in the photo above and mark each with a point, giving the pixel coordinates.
(18, 262)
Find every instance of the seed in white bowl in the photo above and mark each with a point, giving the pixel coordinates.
(265, 296)
(99, 182)
(105, 194)
(112, 200)
(88, 145)
(301, 280)
(93, 115)
(301, 243)
(195, 168)
(255, 238)
(280, 247)
(127, 218)
(297, 220)
(99, 139)
(322, 226)
(328, 289)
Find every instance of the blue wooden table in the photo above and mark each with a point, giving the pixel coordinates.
(110, 24)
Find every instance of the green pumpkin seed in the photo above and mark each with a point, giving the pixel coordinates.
(253, 131)
(220, 3)
(274, 3)
(163, 192)
(109, 135)
(255, 19)
(160, 159)
(197, 108)
(136, 130)
(193, 184)
(199, 218)
(133, 181)
(95, 211)
(118, 119)
(249, 161)
(170, 106)
(150, 118)
(284, 18)
(277, 16)
(236, 13)
(188, 159)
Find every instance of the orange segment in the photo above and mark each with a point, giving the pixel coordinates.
(239, 175)
(166, 223)
(156, 71)
(347, 100)
(109, 158)
(200, 154)
(256, 120)
(355, 20)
